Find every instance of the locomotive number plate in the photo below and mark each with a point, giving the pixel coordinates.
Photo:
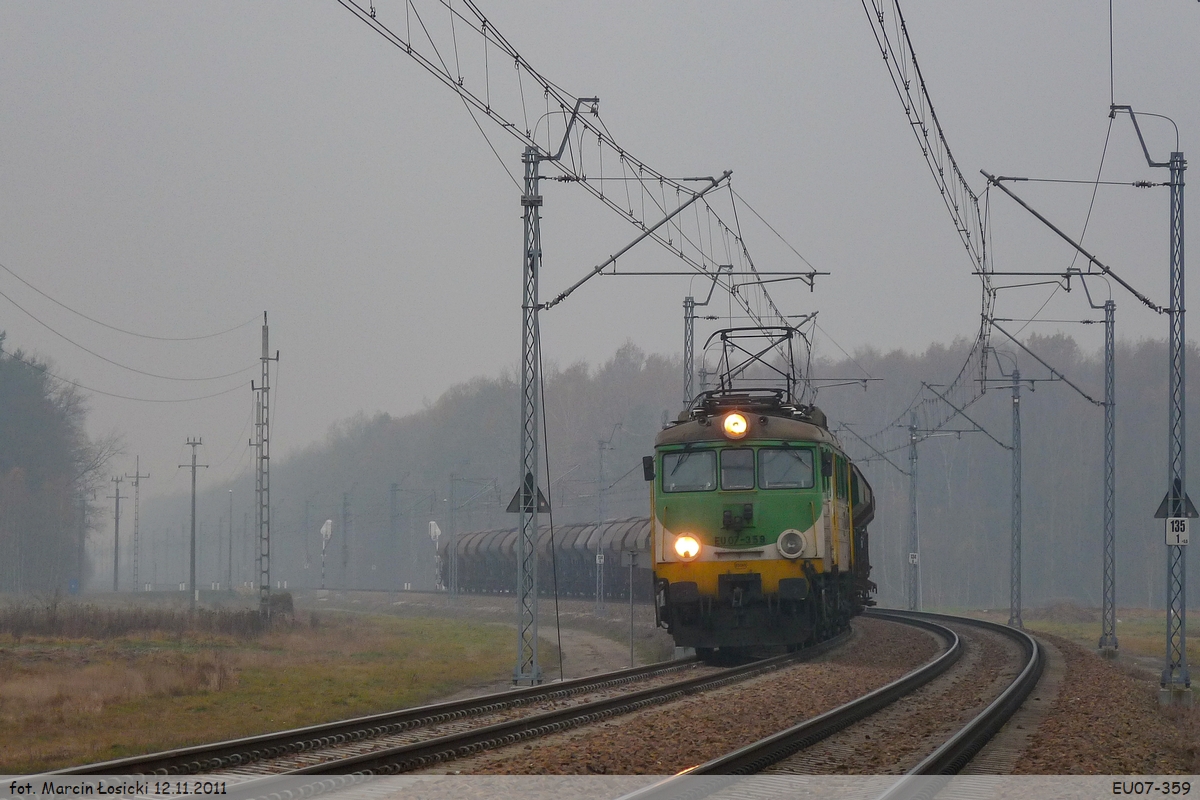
(742, 540)
(1177, 531)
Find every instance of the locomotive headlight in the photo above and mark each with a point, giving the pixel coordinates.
(791, 543)
(686, 547)
(736, 426)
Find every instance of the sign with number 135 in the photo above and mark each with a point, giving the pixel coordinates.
(1177, 531)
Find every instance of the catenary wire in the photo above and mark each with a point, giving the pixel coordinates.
(117, 363)
(1083, 233)
(78, 385)
(122, 330)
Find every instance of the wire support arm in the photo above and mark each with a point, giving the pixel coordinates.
(997, 181)
(874, 449)
(964, 415)
(1112, 113)
(715, 182)
(1055, 374)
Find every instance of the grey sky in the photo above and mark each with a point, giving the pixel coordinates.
(176, 168)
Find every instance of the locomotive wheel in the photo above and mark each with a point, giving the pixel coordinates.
(705, 654)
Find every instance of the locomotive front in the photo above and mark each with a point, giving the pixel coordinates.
(758, 526)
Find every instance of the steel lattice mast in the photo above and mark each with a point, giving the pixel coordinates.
(262, 475)
(689, 346)
(527, 669)
(1175, 678)
(1108, 616)
(481, 94)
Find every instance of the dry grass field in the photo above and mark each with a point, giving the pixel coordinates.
(1141, 632)
(72, 699)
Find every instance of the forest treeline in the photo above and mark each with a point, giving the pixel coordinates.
(48, 470)
(455, 463)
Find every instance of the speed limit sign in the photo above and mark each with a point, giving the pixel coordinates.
(1177, 531)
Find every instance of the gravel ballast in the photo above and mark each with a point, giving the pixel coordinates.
(689, 732)
(1104, 720)
(1108, 722)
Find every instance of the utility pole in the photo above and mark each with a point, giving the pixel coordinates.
(1014, 564)
(601, 446)
(262, 476)
(229, 563)
(307, 556)
(193, 592)
(116, 495)
(915, 436)
(246, 539)
(452, 547)
(914, 534)
(346, 522)
(81, 550)
(395, 530)
(137, 479)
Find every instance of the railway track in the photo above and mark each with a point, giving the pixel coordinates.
(785, 751)
(411, 738)
(427, 736)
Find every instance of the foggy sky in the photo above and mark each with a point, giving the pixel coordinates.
(177, 168)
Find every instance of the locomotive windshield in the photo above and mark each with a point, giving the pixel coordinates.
(737, 468)
(790, 468)
(689, 471)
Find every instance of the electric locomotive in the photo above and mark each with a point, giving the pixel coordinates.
(759, 525)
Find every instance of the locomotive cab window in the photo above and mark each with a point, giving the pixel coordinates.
(785, 468)
(689, 471)
(737, 468)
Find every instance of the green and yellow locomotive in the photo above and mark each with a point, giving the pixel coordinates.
(759, 525)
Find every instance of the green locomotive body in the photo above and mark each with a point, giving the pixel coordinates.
(759, 525)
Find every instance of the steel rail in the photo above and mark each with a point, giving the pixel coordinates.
(954, 754)
(957, 751)
(407, 757)
(761, 754)
(960, 748)
(235, 752)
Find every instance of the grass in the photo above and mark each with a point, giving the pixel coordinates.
(1140, 631)
(67, 700)
(72, 620)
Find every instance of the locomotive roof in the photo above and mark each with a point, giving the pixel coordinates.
(767, 416)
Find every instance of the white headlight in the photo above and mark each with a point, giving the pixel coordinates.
(687, 547)
(736, 425)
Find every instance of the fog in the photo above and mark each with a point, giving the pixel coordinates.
(176, 169)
